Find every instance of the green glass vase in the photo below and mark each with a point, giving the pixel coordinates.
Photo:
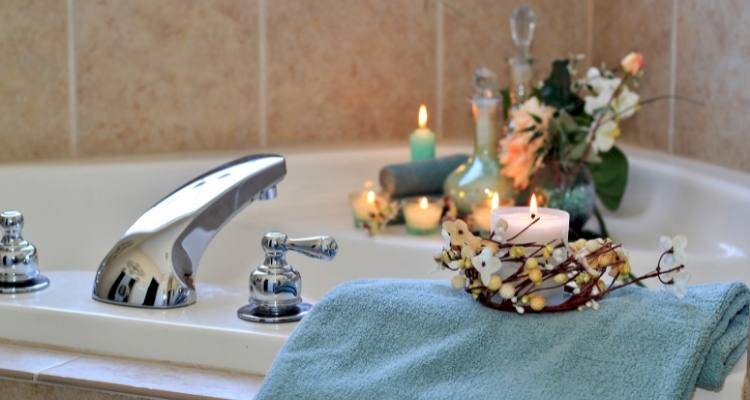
(571, 191)
(480, 177)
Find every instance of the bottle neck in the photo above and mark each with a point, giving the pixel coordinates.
(487, 126)
(521, 76)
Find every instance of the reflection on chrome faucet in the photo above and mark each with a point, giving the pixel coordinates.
(155, 262)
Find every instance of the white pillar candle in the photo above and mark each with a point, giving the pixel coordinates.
(552, 224)
(552, 227)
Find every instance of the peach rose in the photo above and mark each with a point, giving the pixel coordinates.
(632, 63)
(518, 157)
(524, 118)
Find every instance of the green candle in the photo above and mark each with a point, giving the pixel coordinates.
(422, 140)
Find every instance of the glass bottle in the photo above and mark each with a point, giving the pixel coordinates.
(479, 178)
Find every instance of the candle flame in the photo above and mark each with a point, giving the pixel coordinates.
(370, 197)
(533, 207)
(495, 203)
(422, 116)
(423, 203)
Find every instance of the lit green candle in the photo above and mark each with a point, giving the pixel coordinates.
(422, 140)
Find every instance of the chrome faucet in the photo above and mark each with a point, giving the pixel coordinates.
(19, 262)
(275, 286)
(154, 264)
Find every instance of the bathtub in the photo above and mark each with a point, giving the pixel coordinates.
(76, 211)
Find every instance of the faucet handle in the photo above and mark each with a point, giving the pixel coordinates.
(320, 247)
(11, 223)
(275, 286)
(19, 262)
(275, 244)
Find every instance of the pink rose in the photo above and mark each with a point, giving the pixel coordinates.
(632, 63)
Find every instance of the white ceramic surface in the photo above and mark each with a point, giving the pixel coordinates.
(76, 211)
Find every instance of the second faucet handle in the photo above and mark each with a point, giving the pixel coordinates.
(275, 244)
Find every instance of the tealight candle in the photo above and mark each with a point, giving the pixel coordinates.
(422, 215)
(482, 213)
(552, 224)
(363, 205)
(422, 140)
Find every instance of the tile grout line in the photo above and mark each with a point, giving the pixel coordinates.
(72, 85)
(439, 67)
(262, 106)
(672, 79)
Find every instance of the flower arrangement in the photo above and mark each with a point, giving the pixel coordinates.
(568, 125)
(521, 277)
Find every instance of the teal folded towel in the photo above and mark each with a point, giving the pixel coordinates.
(425, 177)
(395, 339)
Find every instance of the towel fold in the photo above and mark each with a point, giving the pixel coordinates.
(425, 177)
(419, 339)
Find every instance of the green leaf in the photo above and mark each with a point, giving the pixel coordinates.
(556, 89)
(593, 158)
(610, 177)
(505, 94)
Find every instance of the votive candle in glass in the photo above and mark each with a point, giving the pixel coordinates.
(422, 215)
(482, 213)
(365, 204)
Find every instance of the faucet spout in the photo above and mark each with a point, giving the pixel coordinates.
(154, 264)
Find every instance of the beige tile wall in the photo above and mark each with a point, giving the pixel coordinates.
(82, 78)
(699, 53)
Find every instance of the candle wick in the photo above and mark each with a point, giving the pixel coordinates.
(533, 216)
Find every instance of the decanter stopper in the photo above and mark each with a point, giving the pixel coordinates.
(522, 25)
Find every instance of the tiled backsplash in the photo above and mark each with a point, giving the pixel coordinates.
(81, 78)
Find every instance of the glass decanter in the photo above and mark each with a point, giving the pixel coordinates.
(478, 179)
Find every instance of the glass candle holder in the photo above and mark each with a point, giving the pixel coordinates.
(364, 206)
(422, 215)
(481, 213)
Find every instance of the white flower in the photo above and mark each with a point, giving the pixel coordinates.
(679, 284)
(604, 136)
(559, 255)
(592, 73)
(446, 239)
(603, 88)
(677, 245)
(622, 253)
(625, 104)
(487, 265)
(501, 226)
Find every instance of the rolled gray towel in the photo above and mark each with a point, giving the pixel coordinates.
(423, 177)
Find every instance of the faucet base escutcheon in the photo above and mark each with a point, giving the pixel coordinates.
(255, 313)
